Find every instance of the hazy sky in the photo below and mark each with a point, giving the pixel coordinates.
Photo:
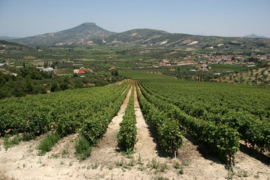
(206, 17)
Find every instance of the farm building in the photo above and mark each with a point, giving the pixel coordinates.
(76, 71)
(81, 72)
(49, 69)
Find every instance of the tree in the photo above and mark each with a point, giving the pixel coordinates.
(256, 76)
(29, 87)
(66, 80)
(115, 73)
(78, 84)
(54, 87)
(63, 86)
(3, 94)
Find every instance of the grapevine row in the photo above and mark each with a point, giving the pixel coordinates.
(126, 136)
(221, 139)
(93, 128)
(252, 129)
(63, 111)
(168, 132)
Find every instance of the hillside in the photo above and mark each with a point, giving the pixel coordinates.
(135, 36)
(74, 35)
(6, 46)
(255, 36)
(89, 34)
(7, 38)
(156, 38)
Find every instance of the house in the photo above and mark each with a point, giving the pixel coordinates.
(182, 63)
(212, 61)
(81, 72)
(49, 69)
(202, 62)
(76, 71)
(13, 74)
(219, 60)
(9, 63)
(204, 65)
(204, 56)
(162, 64)
(263, 58)
(40, 68)
(165, 60)
(86, 69)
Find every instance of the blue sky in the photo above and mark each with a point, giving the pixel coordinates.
(205, 17)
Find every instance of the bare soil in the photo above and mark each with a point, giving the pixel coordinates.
(22, 162)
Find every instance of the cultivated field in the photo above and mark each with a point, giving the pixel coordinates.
(150, 127)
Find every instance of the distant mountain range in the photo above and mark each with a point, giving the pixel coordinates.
(71, 36)
(6, 38)
(12, 46)
(89, 34)
(256, 36)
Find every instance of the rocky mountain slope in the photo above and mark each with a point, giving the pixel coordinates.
(255, 36)
(156, 38)
(74, 35)
(89, 34)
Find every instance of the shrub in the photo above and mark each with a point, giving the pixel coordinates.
(47, 143)
(83, 148)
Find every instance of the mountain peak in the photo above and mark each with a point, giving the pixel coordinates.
(89, 23)
(255, 36)
(83, 32)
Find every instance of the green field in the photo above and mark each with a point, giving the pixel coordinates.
(63, 71)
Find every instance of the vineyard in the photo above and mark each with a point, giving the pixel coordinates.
(219, 117)
(241, 112)
(87, 111)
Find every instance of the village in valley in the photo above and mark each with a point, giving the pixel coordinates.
(207, 59)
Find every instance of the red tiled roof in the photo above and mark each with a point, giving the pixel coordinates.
(81, 72)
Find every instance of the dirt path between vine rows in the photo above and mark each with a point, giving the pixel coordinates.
(145, 146)
(107, 149)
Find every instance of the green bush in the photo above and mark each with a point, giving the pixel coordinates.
(83, 148)
(9, 142)
(47, 143)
